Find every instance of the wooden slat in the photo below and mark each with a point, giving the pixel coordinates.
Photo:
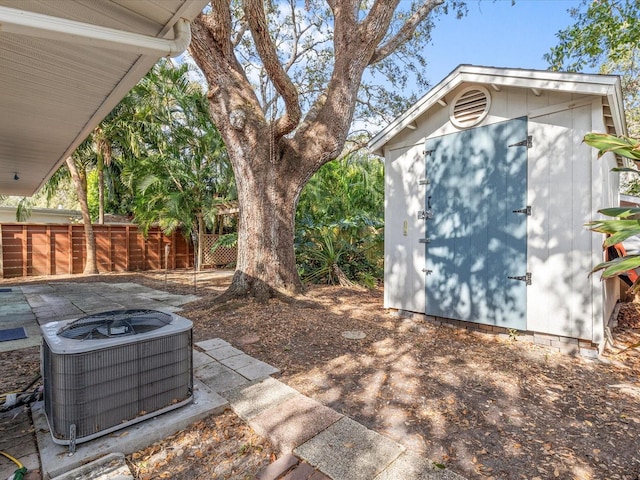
(36, 249)
(1, 254)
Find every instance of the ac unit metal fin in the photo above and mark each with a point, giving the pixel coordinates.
(524, 143)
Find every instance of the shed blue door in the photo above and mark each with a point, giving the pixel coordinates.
(475, 241)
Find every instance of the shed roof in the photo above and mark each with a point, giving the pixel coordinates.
(64, 65)
(607, 86)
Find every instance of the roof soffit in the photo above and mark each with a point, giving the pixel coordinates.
(54, 92)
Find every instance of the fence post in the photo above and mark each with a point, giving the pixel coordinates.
(70, 237)
(50, 260)
(173, 250)
(127, 264)
(1, 254)
(25, 254)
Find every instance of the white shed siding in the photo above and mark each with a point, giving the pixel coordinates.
(566, 186)
(561, 297)
(404, 254)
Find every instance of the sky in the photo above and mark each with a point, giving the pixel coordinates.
(497, 34)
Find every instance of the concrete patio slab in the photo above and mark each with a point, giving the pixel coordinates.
(200, 358)
(257, 370)
(237, 361)
(211, 344)
(349, 451)
(223, 352)
(56, 460)
(109, 467)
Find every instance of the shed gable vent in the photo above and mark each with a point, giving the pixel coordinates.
(470, 106)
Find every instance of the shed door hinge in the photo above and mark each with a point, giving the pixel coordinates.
(428, 152)
(427, 271)
(523, 278)
(424, 181)
(526, 210)
(425, 214)
(524, 143)
(424, 240)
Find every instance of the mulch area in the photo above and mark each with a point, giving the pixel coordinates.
(484, 407)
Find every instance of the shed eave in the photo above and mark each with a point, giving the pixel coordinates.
(585, 84)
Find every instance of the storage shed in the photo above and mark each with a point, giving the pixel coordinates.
(488, 190)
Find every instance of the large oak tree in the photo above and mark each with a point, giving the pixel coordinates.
(274, 155)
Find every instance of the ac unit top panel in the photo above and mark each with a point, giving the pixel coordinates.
(59, 344)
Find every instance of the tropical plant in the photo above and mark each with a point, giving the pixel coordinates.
(182, 173)
(339, 223)
(625, 223)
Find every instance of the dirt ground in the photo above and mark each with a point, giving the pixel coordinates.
(482, 406)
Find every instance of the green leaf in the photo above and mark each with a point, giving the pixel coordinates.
(620, 236)
(604, 142)
(620, 212)
(618, 266)
(626, 170)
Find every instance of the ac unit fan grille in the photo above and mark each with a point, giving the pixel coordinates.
(115, 323)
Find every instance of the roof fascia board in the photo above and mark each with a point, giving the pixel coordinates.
(551, 82)
(617, 109)
(21, 22)
(189, 9)
(425, 103)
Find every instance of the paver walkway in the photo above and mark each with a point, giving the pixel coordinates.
(335, 445)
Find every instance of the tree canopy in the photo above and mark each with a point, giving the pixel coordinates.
(604, 31)
(605, 37)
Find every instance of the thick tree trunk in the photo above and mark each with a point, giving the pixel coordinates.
(268, 197)
(91, 266)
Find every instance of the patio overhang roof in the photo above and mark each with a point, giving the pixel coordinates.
(65, 65)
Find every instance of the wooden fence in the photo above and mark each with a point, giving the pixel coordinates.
(53, 249)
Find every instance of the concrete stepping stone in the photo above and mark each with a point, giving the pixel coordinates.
(253, 399)
(218, 377)
(349, 451)
(412, 466)
(293, 422)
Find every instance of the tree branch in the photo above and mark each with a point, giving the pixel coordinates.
(407, 30)
(240, 33)
(256, 18)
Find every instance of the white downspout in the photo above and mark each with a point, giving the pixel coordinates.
(32, 24)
